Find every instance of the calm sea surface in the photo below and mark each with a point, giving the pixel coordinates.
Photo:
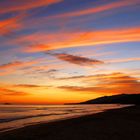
(16, 116)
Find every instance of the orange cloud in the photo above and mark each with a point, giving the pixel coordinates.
(10, 92)
(2, 73)
(30, 86)
(25, 5)
(107, 84)
(60, 19)
(11, 67)
(18, 64)
(8, 26)
(124, 60)
(98, 9)
(79, 39)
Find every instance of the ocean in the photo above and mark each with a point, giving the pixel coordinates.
(16, 116)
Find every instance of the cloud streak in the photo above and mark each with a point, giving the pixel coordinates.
(98, 9)
(89, 38)
(114, 83)
(123, 60)
(10, 25)
(12, 67)
(30, 86)
(78, 60)
(83, 14)
(25, 5)
(18, 64)
(10, 92)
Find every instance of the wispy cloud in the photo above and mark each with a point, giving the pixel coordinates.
(11, 67)
(90, 38)
(30, 86)
(78, 60)
(81, 15)
(18, 64)
(24, 5)
(10, 92)
(11, 25)
(107, 84)
(97, 9)
(124, 60)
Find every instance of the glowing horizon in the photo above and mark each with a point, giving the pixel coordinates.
(67, 51)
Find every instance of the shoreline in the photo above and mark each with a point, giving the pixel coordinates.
(3, 130)
(53, 130)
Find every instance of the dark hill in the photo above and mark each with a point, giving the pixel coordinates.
(116, 99)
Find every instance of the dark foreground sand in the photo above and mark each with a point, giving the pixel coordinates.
(118, 124)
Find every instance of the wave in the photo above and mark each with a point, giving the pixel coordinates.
(27, 117)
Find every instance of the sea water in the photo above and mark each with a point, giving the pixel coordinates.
(16, 116)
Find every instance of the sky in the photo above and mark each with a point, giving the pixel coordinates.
(68, 51)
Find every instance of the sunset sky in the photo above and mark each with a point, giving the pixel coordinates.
(66, 51)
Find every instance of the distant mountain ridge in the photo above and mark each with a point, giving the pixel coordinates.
(116, 99)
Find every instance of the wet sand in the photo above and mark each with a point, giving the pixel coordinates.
(117, 124)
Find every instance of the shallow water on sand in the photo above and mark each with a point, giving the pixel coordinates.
(16, 116)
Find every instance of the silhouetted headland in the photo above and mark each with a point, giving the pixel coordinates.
(116, 99)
